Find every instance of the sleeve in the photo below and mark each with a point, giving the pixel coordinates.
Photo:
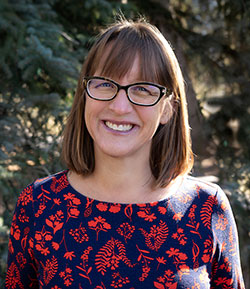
(226, 267)
(22, 267)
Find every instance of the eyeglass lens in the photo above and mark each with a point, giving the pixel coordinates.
(139, 93)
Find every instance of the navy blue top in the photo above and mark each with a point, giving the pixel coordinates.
(59, 238)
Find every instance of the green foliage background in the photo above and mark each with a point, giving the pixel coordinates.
(43, 44)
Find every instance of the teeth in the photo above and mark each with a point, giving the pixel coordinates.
(120, 127)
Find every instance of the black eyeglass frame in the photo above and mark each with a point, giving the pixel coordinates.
(163, 90)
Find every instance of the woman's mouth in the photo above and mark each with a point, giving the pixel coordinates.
(118, 127)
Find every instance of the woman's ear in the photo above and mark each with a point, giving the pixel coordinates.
(170, 107)
(167, 112)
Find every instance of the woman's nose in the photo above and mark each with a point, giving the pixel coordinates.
(120, 104)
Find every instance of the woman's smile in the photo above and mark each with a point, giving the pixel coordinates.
(121, 127)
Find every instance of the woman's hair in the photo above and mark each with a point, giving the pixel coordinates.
(113, 55)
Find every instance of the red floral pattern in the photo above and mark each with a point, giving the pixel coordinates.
(61, 239)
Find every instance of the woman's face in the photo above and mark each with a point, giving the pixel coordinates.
(122, 129)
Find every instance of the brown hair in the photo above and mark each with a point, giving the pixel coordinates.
(171, 153)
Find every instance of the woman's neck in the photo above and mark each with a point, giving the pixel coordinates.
(120, 180)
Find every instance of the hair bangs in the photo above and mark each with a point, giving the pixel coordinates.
(154, 67)
(119, 53)
(117, 60)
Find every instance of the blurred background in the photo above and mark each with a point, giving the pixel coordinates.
(43, 44)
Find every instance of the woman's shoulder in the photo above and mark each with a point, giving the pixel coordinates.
(59, 178)
(201, 182)
(202, 188)
(51, 184)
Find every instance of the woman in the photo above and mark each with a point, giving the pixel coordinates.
(125, 214)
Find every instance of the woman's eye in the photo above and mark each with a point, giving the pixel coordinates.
(140, 89)
(105, 84)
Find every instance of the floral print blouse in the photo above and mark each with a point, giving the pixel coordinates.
(61, 239)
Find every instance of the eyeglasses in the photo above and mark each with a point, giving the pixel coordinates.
(139, 93)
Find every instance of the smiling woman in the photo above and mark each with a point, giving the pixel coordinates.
(125, 214)
(132, 49)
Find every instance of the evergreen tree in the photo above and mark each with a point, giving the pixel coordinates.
(37, 74)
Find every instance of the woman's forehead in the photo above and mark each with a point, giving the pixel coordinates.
(116, 62)
(133, 71)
